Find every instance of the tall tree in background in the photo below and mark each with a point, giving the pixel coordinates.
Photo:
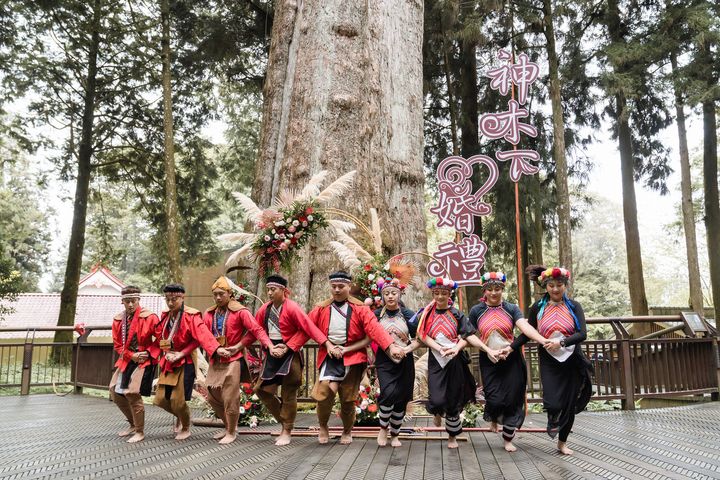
(171, 206)
(673, 38)
(558, 149)
(358, 105)
(706, 72)
(639, 114)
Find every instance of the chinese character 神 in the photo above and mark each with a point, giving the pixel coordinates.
(523, 74)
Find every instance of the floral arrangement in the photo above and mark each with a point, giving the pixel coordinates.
(252, 410)
(241, 294)
(366, 406)
(472, 415)
(285, 232)
(369, 277)
(290, 223)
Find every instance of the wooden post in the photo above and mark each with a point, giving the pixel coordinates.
(715, 396)
(628, 403)
(27, 367)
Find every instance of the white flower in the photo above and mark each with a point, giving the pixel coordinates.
(242, 410)
(371, 276)
(357, 410)
(364, 404)
(280, 223)
(310, 218)
(287, 242)
(273, 231)
(304, 224)
(295, 223)
(276, 236)
(267, 238)
(254, 398)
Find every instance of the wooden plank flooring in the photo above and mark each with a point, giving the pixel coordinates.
(46, 436)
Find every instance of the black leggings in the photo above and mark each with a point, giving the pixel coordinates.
(565, 431)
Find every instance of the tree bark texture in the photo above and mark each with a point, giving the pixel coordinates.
(638, 299)
(344, 92)
(561, 168)
(712, 201)
(688, 212)
(68, 296)
(171, 205)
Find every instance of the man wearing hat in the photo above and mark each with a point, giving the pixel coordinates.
(176, 336)
(132, 332)
(228, 321)
(346, 321)
(289, 328)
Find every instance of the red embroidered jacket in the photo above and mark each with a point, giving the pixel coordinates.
(295, 326)
(362, 322)
(139, 337)
(184, 339)
(240, 326)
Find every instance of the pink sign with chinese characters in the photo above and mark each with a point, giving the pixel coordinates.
(458, 204)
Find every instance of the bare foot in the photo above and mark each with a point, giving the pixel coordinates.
(562, 448)
(346, 438)
(494, 427)
(509, 447)
(182, 434)
(437, 420)
(323, 435)
(126, 432)
(382, 437)
(220, 434)
(229, 438)
(396, 442)
(452, 442)
(284, 438)
(138, 437)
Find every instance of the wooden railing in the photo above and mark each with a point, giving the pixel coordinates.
(626, 369)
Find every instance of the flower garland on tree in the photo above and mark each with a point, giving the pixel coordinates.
(289, 224)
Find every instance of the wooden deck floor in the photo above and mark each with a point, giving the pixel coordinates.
(46, 436)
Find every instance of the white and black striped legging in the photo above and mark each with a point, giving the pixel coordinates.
(453, 425)
(391, 417)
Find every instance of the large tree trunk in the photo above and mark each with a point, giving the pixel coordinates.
(561, 169)
(712, 201)
(68, 296)
(344, 92)
(171, 205)
(636, 281)
(688, 212)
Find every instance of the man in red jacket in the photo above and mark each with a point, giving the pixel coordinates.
(289, 328)
(176, 335)
(233, 328)
(346, 321)
(132, 332)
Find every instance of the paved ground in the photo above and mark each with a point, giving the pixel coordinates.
(46, 436)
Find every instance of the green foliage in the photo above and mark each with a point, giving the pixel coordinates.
(24, 226)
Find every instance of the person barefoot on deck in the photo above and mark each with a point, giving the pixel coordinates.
(346, 321)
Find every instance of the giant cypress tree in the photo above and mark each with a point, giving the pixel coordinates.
(638, 114)
(706, 73)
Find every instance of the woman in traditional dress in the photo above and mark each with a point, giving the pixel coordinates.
(397, 378)
(504, 381)
(443, 330)
(564, 370)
